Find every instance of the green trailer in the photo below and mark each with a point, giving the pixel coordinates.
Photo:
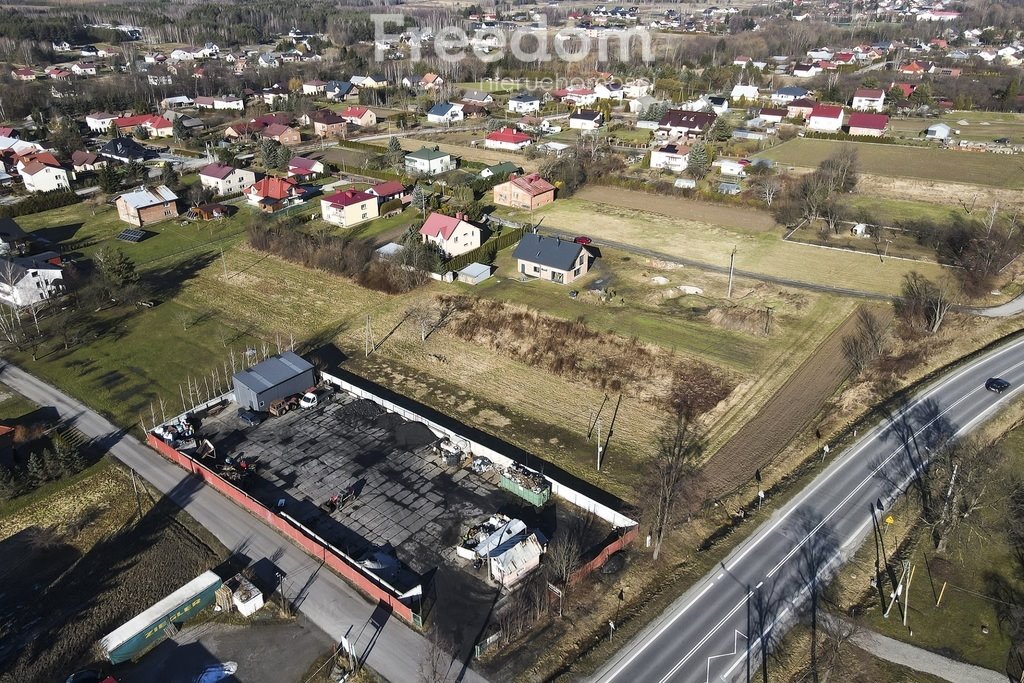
(147, 629)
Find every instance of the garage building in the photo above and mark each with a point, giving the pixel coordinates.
(274, 378)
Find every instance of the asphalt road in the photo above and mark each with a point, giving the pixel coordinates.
(765, 582)
(331, 604)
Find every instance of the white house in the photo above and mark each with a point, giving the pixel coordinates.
(28, 280)
(581, 97)
(806, 70)
(42, 173)
(427, 161)
(586, 119)
(826, 118)
(731, 167)
(84, 69)
(524, 103)
(637, 88)
(673, 157)
(869, 99)
(445, 112)
(609, 91)
(507, 138)
(349, 207)
(787, 94)
(224, 179)
(99, 122)
(454, 235)
(744, 92)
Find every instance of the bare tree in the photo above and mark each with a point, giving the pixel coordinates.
(768, 188)
(565, 551)
(437, 657)
(672, 469)
(924, 304)
(866, 343)
(958, 478)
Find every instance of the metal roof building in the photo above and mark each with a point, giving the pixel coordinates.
(274, 378)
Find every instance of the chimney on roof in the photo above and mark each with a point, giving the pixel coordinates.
(459, 216)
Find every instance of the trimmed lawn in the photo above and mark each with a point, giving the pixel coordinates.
(982, 126)
(890, 212)
(758, 251)
(929, 163)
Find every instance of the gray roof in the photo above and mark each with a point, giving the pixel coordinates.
(142, 197)
(525, 97)
(476, 95)
(273, 371)
(10, 231)
(551, 252)
(427, 154)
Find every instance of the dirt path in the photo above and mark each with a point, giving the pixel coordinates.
(922, 660)
(747, 220)
(761, 439)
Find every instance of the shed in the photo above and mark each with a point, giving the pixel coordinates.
(274, 378)
(728, 188)
(474, 273)
(685, 183)
(938, 131)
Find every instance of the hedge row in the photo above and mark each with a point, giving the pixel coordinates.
(39, 202)
(883, 140)
(484, 252)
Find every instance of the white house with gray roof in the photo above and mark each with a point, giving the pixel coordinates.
(428, 161)
(551, 258)
(28, 280)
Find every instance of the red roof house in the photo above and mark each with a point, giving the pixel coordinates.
(507, 138)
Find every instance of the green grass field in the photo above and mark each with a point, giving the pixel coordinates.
(983, 126)
(760, 252)
(894, 211)
(976, 168)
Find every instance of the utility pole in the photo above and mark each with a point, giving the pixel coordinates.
(732, 263)
(906, 597)
(598, 443)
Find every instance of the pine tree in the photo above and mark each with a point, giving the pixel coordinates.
(699, 163)
(37, 475)
(720, 131)
(168, 176)
(110, 182)
(394, 145)
(179, 129)
(67, 454)
(9, 484)
(116, 268)
(113, 131)
(52, 465)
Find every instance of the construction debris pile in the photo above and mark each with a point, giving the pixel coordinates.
(179, 434)
(527, 479)
(482, 538)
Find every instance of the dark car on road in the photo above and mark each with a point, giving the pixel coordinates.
(250, 417)
(997, 385)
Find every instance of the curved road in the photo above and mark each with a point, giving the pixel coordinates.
(708, 633)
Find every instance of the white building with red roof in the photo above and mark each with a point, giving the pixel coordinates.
(349, 208)
(873, 125)
(453, 235)
(271, 194)
(826, 118)
(868, 99)
(156, 126)
(360, 116)
(42, 172)
(508, 139)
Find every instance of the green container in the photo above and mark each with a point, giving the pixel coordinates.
(537, 498)
(147, 629)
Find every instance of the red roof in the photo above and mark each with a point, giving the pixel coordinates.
(45, 158)
(275, 129)
(143, 120)
(348, 198)
(437, 224)
(218, 170)
(872, 121)
(508, 135)
(868, 93)
(355, 112)
(388, 188)
(533, 184)
(827, 111)
(273, 188)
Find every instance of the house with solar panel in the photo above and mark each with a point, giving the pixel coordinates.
(147, 205)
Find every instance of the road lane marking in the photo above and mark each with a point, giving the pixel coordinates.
(707, 637)
(659, 632)
(839, 463)
(737, 634)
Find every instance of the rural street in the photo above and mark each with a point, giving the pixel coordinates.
(714, 631)
(328, 602)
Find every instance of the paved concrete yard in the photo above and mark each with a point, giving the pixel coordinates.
(407, 500)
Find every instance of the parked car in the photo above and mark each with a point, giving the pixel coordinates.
(583, 239)
(90, 676)
(997, 384)
(250, 417)
(311, 399)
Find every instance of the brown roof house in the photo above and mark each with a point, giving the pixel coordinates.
(524, 192)
(286, 135)
(144, 206)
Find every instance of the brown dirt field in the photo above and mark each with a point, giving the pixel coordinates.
(935, 192)
(736, 217)
(783, 417)
(79, 562)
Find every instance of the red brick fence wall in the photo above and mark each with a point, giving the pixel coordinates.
(350, 573)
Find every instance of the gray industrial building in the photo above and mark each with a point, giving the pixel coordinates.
(274, 378)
